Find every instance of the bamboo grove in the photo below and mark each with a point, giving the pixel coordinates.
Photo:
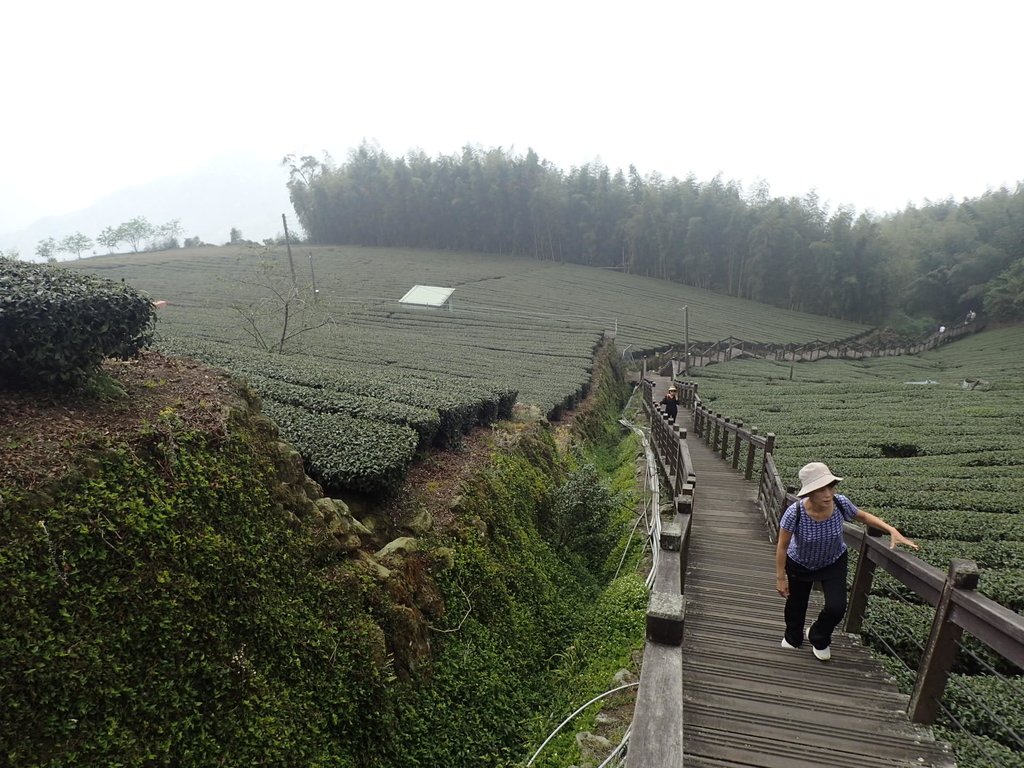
(933, 263)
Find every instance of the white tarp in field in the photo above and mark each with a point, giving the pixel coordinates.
(427, 295)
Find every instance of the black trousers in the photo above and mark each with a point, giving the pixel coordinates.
(833, 584)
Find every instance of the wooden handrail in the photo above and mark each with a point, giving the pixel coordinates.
(716, 430)
(657, 733)
(672, 452)
(959, 608)
(706, 353)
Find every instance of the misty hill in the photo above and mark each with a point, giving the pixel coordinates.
(242, 191)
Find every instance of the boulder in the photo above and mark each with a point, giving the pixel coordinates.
(400, 546)
(372, 523)
(312, 488)
(339, 525)
(624, 677)
(592, 746)
(328, 508)
(288, 463)
(421, 522)
(370, 563)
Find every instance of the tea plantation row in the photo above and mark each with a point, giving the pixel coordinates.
(369, 381)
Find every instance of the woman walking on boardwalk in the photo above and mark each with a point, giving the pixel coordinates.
(671, 403)
(811, 548)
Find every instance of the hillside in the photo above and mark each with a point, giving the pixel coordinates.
(178, 592)
(363, 285)
(362, 383)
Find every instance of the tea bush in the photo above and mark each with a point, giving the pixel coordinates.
(57, 326)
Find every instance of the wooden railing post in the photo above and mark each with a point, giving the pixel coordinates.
(939, 654)
(780, 507)
(672, 449)
(725, 438)
(736, 446)
(714, 441)
(861, 587)
(751, 450)
(666, 454)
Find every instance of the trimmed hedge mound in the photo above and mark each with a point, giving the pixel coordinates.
(57, 326)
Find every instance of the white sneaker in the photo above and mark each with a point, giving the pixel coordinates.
(785, 644)
(824, 654)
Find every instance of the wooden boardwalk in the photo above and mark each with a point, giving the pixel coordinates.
(746, 700)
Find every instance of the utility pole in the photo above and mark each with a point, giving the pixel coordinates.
(686, 339)
(291, 264)
(312, 278)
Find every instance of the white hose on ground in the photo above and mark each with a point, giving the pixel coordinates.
(618, 750)
(573, 715)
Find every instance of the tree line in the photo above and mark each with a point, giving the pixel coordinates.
(930, 264)
(137, 233)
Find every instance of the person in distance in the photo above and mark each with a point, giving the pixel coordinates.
(671, 403)
(811, 548)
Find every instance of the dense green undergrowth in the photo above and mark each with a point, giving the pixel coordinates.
(169, 602)
(550, 616)
(161, 610)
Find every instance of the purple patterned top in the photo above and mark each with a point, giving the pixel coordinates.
(817, 543)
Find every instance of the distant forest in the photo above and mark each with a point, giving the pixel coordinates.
(923, 265)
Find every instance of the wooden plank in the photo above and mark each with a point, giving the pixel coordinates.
(654, 742)
(669, 576)
(665, 614)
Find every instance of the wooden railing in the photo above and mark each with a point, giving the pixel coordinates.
(707, 353)
(729, 440)
(958, 607)
(656, 737)
(673, 455)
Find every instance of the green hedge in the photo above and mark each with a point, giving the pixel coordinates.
(57, 326)
(352, 423)
(345, 453)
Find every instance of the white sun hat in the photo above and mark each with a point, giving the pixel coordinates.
(814, 476)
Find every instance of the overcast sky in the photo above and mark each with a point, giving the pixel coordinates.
(873, 104)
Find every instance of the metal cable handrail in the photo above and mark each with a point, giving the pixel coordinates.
(570, 718)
